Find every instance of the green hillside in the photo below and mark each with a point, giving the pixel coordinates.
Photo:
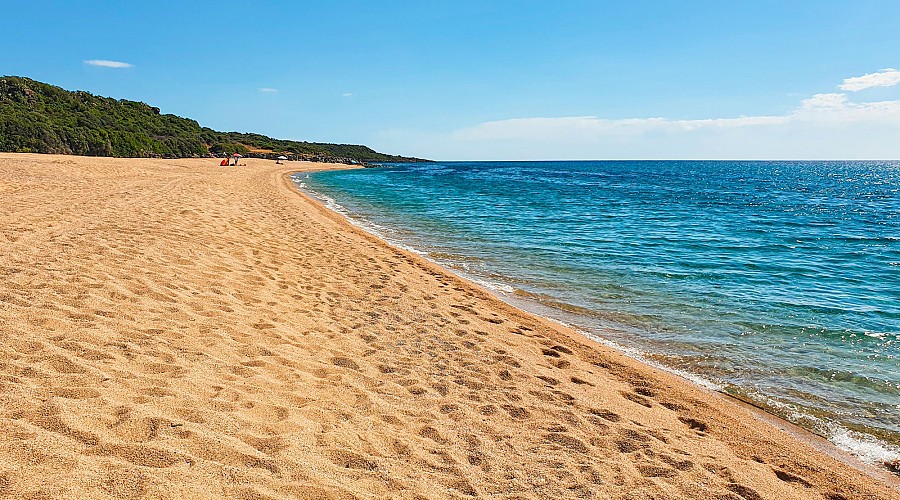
(41, 118)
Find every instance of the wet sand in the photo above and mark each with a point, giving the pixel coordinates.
(176, 329)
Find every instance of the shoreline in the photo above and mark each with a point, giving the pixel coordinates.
(173, 329)
(806, 436)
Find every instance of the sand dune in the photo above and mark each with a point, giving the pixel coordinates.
(175, 329)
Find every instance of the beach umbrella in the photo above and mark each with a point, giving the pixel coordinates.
(282, 157)
(236, 155)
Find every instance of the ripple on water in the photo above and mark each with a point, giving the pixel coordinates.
(773, 279)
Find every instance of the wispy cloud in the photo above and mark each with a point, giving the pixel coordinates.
(347, 94)
(825, 125)
(820, 108)
(103, 63)
(820, 101)
(268, 90)
(887, 77)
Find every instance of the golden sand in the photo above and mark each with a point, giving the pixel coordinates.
(176, 329)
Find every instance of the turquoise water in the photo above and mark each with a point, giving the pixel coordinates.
(778, 282)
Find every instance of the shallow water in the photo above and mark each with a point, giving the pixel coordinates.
(778, 282)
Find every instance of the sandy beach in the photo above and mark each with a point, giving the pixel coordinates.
(176, 329)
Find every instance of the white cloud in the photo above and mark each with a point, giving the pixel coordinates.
(347, 94)
(108, 64)
(591, 125)
(267, 90)
(824, 126)
(887, 77)
(820, 101)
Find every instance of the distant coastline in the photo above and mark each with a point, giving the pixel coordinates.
(37, 117)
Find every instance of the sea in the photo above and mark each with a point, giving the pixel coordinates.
(777, 282)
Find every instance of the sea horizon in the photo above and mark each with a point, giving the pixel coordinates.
(677, 327)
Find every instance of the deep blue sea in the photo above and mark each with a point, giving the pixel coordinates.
(777, 282)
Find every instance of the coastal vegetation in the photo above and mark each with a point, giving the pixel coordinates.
(37, 117)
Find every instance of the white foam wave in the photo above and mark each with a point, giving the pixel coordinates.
(493, 285)
(642, 357)
(368, 226)
(865, 447)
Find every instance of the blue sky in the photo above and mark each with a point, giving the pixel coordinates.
(493, 79)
